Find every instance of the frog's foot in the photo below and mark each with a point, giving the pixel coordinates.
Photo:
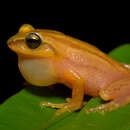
(66, 107)
(69, 100)
(117, 103)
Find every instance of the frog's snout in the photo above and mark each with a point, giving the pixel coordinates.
(14, 43)
(10, 42)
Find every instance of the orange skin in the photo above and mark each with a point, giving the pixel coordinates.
(77, 64)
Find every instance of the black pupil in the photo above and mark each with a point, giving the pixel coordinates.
(33, 40)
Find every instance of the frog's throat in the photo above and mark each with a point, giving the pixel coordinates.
(37, 71)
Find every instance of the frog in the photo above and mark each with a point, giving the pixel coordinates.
(47, 57)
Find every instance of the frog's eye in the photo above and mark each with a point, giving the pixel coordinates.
(33, 40)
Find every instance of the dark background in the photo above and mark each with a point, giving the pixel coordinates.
(84, 28)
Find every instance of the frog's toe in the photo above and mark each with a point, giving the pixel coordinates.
(52, 105)
(62, 110)
(104, 108)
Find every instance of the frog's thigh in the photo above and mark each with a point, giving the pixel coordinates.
(118, 92)
(115, 90)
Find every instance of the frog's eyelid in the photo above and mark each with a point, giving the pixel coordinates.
(37, 35)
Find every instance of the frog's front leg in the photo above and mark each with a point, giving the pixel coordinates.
(76, 101)
(118, 92)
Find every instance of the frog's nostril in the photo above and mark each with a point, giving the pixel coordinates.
(13, 40)
(10, 42)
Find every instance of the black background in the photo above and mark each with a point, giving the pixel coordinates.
(76, 25)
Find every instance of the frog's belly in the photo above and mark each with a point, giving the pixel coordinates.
(37, 71)
(98, 79)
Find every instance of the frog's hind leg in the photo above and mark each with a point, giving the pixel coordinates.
(118, 92)
(115, 104)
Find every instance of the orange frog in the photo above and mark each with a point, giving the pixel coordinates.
(46, 57)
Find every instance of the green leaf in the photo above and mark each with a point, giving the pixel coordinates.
(23, 112)
(121, 54)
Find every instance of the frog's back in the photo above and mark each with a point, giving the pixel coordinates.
(96, 67)
(78, 51)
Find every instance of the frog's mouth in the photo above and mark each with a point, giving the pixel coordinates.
(18, 48)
